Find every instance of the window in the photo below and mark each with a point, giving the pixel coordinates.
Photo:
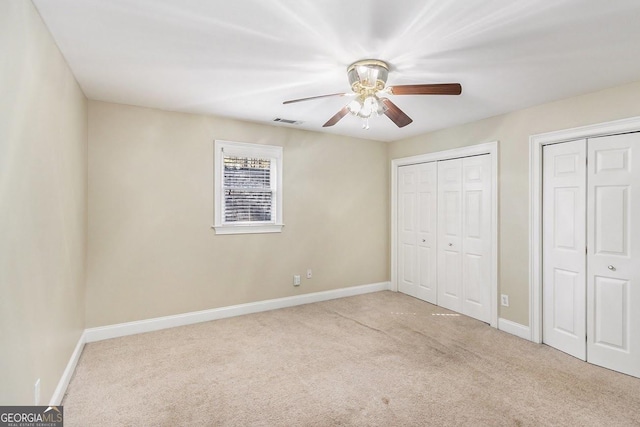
(248, 188)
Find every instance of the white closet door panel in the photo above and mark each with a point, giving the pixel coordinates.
(613, 272)
(476, 237)
(408, 273)
(427, 212)
(450, 234)
(417, 216)
(564, 243)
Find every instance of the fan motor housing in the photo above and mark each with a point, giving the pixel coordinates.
(368, 75)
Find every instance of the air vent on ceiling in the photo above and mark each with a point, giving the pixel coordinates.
(287, 121)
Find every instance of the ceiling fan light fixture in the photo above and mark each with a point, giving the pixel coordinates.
(354, 106)
(368, 74)
(369, 106)
(368, 80)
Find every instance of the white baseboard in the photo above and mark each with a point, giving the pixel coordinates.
(61, 389)
(514, 328)
(158, 323)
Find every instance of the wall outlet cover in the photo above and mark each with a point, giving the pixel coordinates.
(504, 300)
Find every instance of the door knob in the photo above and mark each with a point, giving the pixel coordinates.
(450, 244)
(424, 240)
(612, 268)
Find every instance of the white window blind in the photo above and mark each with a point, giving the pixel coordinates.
(248, 188)
(248, 195)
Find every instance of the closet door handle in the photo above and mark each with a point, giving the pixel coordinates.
(450, 244)
(612, 268)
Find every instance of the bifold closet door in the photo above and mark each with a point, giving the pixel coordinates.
(591, 250)
(464, 236)
(417, 215)
(613, 259)
(564, 243)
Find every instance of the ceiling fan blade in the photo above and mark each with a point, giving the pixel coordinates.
(314, 97)
(336, 118)
(427, 89)
(396, 115)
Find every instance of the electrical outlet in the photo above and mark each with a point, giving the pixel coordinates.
(309, 273)
(36, 389)
(296, 280)
(504, 300)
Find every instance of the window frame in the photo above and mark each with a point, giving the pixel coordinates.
(245, 149)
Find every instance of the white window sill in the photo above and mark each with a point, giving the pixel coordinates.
(248, 229)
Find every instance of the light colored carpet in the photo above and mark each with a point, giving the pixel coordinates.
(381, 359)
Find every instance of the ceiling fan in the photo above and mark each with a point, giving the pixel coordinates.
(368, 79)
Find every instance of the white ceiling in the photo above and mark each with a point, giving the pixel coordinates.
(243, 58)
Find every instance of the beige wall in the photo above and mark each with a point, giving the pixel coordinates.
(152, 251)
(148, 246)
(512, 131)
(43, 175)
